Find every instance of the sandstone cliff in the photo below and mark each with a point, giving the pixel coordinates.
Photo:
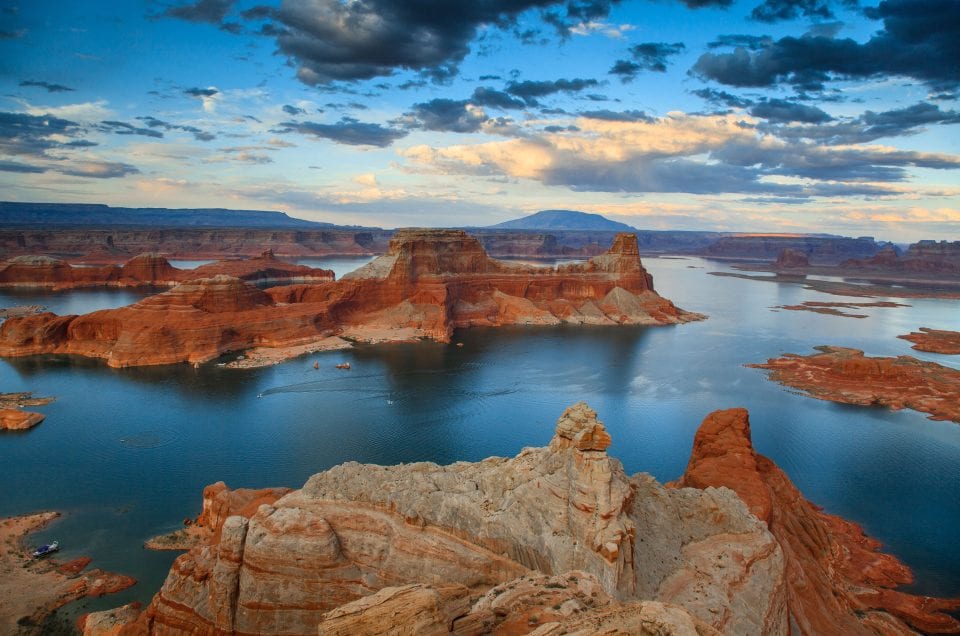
(428, 284)
(454, 532)
(838, 582)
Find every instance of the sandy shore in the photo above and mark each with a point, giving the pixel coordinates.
(31, 589)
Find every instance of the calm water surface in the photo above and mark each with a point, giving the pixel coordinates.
(126, 453)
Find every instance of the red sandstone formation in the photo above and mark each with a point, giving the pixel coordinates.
(149, 269)
(838, 582)
(428, 284)
(845, 375)
(935, 340)
(17, 420)
(791, 258)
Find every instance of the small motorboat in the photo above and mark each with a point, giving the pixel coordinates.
(46, 549)
(345, 365)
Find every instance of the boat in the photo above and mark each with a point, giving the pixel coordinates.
(46, 549)
(345, 365)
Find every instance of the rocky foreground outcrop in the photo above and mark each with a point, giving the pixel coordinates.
(150, 269)
(838, 582)
(428, 284)
(839, 374)
(557, 540)
(468, 535)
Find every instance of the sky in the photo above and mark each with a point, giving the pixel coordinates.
(835, 116)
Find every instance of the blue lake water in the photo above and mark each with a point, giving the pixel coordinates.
(125, 453)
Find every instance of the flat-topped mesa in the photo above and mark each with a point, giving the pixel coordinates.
(837, 580)
(421, 252)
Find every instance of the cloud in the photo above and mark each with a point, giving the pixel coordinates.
(208, 96)
(123, 128)
(199, 135)
(12, 35)
(779, 110)
(650, 56)
(330, 40)
(693, 154)
(751, 42)
(212, 11)
(723, 98)
(51, 88)
(871, 126)
(777, 10)
(918, 40)
(611, 115)
(446, 115)
(347, 131)
(293, 110)
(613, 31)
(99, 169)
(530, 90)
(15, 166)
(25, 134)
(484, 96)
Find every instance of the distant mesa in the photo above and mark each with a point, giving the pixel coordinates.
(791, 258)
(563, 220)
(65, 215)
(557, 540)
(429, 283)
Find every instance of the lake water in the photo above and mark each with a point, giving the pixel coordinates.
(125, 453)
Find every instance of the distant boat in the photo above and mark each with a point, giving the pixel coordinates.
(345, 365)
(44, 550)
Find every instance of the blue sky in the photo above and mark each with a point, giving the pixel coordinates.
(756, 115)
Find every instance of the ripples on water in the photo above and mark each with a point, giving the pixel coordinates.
(126, 453)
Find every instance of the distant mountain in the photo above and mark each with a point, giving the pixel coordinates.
(563, 220)
(97, 215)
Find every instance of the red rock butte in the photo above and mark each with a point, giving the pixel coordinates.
(429, 283)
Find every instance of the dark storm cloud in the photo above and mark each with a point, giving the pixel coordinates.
(484, 96)
(918, 40)
(293, 110)
(649, 56)
(530, 90)
(347, 131)
(199, 135)
(123, 128)
(212, 11)
(200, 92)
(612, 115)
(51, 88)
(23, 134)
(330, 40)
(779, 110)
(14, 166)
(723, 98)
(777, 10)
